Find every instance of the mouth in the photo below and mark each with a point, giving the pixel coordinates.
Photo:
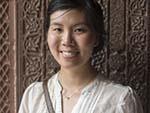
(69, 54)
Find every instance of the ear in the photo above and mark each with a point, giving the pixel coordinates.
(47, 34)
(96, 44)
(96, 41)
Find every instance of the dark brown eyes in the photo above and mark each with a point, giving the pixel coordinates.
(77, 30)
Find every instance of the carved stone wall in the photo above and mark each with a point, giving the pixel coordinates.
(7, 63)
(137, 48)
(4, 59)
(148, 55)
(127, 47)
(34, 59)
(31, 42)
(125, 58)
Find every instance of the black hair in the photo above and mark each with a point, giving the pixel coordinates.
(93, 13)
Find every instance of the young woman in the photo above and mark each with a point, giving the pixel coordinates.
(75, 33)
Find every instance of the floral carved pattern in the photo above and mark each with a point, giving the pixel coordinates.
(127, 48)
(124, 59)
(4, 58)
(31, 41)
(137, 48)
(117, 50)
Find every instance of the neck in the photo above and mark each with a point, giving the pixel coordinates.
(73, 79)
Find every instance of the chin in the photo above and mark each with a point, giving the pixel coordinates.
(69, 66)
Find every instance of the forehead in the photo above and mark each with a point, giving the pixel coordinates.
(69, 15)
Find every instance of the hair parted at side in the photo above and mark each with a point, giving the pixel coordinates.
(93, 13)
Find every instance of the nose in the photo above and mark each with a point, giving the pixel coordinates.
(67, 39)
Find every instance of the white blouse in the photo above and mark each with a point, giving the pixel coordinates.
(101, 96)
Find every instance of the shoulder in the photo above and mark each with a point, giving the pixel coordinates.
(113, 88)
(33, 88)
(116, 90)
(36, 88)
(29, 96)
(113, 92)
(34, 97)
(122, 97)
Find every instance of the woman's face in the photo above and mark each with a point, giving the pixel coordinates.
(70, 38)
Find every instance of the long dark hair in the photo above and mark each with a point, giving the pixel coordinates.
(93, 13)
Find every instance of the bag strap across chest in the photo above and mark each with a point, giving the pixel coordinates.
(47, 97)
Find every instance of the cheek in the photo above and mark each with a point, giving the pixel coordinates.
(88, 41)
(52, 42)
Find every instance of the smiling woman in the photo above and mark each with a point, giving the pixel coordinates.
(75, 32)
(70, 39)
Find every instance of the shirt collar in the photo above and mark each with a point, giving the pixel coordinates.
(90, 87)
(87, 89)
(57, 83)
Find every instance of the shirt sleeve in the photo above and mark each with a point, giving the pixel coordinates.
(25, 106)
(129, 102)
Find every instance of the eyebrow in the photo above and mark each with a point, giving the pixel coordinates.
(78, 24)
(58, 24)
(81, 24)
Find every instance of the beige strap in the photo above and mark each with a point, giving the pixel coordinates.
(47, 97)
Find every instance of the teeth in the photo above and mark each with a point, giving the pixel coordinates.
(69, 53)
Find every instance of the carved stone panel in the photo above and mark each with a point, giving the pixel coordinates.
(125, 58)
(7, 58)
(4, 58)
(127, 46)
(31, 42)
(148, 55)
(137, 48)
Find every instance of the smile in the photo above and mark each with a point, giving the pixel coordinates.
(69, 53)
